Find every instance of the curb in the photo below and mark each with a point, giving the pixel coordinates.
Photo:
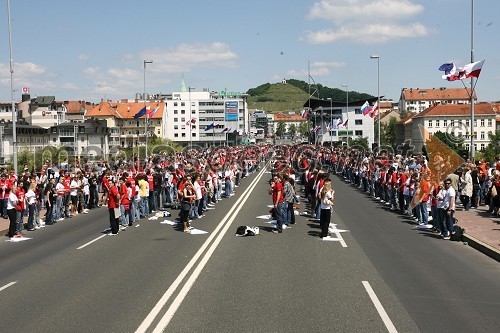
(482, 247)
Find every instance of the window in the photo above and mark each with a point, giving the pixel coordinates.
(429, 123)
(175, 103)
(358, 133)
(490, 123)
(176, 127)
(175, 111)
(358, 122)
(482, 146)
(437, 123)
(482, 135)
(357, 111)
(176, 120)
(445, 122)
(183, 104)
(334, 133)
(482, 122)
(183, 111)
(158, 132)
(193, 134)
(183, 135)
(475, 122)
(176, 135)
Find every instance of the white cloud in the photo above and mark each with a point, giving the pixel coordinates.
(369, 34)
(339, 11)
(357, 21)
(185, 57)
(320, 68)
(83, 57)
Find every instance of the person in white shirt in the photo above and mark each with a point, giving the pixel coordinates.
(449, 206)
(11, 212)
(31, 199)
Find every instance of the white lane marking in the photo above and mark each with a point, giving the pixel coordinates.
(8, 285)
(166, 296)
(165, 320)
(86, 244)
(381, 311)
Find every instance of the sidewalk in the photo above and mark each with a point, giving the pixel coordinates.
(482, 230)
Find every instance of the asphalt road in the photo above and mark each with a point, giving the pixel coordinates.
(384, 276)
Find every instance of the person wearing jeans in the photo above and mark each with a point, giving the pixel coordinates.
(449, 207)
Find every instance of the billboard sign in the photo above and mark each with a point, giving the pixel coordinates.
(231, 110)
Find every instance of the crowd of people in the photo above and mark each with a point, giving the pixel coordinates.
(131, 190)
(409, 185)
(196, 180)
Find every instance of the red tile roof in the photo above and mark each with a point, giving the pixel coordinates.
(288, 117)
(456, 110)
(75, 107)
(124, 110)
(436, 94)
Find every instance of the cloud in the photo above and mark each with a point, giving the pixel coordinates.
(356, 20)
(185, 57)
(369, 34)
(83, 57)
(321, 68)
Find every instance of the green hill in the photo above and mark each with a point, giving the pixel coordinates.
(277, 97)
(291, 96)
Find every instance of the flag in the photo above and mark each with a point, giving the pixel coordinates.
(192, 121)
(365, 109)
(338, 123)
(142, 112)
(225, 130)
(235, 132)
(472, 70)
(453, 73)
(374, 110)
(315, 129)
(344, 124)
(304, 113)
(209, 127)
(150, 113)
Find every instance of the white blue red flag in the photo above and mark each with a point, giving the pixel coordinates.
(365, 109)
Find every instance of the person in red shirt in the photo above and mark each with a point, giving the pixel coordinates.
(20, 208)
(113, 207)
(5, 187)
(276, 190)
(125, 203)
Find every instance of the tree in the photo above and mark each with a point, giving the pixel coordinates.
(292, 129)
(388, 132)
(493, 148)
(359, 142)
(453, 142)
(280, 129)
(304, 128)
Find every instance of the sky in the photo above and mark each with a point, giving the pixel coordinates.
(92, 50)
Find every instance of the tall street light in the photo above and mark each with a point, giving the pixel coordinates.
(375, 56)
(331, 121)
(146, 119)
(190, 119)
(472, 87)
(13, 103)
(347, 111)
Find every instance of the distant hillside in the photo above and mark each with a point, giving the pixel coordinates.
(279, 97)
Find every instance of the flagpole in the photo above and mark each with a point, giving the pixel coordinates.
(146, 120)
(472, 148)
(14, 112)
(213, 136)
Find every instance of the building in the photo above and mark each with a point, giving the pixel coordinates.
(124, 130)
(75, 110)
(189, 113)
(327, 114)
(417, 100)
(453, 120)
(81, 139)
(29, 138)
(43, 111)
(289, 120)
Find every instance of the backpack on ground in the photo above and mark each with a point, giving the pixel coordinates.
(457, 233)
(247, 231)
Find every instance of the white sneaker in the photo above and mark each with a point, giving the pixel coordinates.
(60, 219)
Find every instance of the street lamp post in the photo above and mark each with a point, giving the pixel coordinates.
(190, 119)
(14, 113)
(472, 127)
(375, 56)
(347, 111)
(331, 120)
(146, 119)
